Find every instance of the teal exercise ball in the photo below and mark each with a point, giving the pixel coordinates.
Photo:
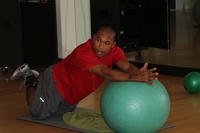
(191, 82)
(135, 107)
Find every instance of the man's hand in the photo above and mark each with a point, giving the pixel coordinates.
(145, 75)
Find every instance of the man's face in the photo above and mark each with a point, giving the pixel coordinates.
(103, 43)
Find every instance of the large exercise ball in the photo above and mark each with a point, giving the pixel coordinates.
(191, 82)
(135, 107)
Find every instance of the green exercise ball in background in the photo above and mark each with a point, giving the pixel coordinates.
(191, 82)
(135, 107)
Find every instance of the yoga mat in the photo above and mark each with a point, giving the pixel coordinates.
(57, 121)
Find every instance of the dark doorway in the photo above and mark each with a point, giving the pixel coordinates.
(39, 35)
(139, 23)
(10, 34)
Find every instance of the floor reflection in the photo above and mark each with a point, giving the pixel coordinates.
(185, 44)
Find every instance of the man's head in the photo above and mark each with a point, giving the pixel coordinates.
(104, 40)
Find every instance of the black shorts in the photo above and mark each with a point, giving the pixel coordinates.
(48, 101)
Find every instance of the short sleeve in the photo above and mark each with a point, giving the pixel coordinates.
(118, 54)
(86, 59)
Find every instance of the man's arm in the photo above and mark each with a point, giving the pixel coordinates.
(125, 66)
(142, 74)
(109, 73)
(127, 72)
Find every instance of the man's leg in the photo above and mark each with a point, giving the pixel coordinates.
(43, 98)
(48, 101)
(30, 79)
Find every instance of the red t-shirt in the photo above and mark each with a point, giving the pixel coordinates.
(73, 80)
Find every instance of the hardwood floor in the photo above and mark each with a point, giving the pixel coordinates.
(184, 115)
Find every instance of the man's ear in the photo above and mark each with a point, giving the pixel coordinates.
(93, 36)
(114, 43)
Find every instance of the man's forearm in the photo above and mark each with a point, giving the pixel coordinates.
(115, 75)
(132, 69)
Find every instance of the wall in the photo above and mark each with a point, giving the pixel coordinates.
(73, 24)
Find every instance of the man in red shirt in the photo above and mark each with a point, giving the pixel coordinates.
(64, 84)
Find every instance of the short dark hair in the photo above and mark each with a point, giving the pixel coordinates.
(105, 28)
